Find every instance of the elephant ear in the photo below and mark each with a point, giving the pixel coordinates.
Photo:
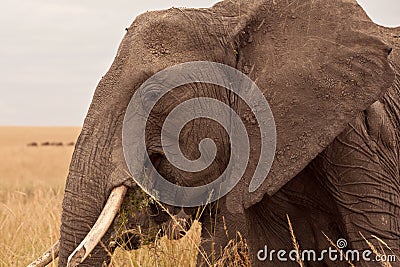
(391, 36)
(317, 69)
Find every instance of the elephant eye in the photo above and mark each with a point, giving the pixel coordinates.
(151, 96)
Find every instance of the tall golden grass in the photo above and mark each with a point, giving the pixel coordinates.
(32, 181)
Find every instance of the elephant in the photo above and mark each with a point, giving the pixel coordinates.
(331, 78)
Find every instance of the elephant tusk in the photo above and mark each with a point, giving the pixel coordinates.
(47, 257)
(100, 227)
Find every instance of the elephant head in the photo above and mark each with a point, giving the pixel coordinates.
(317, 63)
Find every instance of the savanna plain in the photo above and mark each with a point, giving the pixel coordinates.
(33, 170)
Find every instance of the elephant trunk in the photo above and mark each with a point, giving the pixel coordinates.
(80, 212)
(99, 229)
(97, 166)
(87, 189)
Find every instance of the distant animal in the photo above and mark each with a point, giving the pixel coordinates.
(32, 144)
(56, 144)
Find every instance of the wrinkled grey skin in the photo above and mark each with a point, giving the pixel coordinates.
(320, 64)
(352, 187)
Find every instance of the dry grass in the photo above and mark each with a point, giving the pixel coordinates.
(32, 181)
(29, 224)
(163, 252)
(296, 245)
(235, 254)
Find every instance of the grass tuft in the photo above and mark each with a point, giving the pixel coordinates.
(295, 243)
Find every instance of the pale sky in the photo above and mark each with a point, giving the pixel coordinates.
(53, 53)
